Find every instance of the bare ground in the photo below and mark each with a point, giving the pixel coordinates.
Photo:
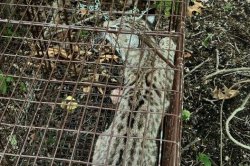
(228, 47)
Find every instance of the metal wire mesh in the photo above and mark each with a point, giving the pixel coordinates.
(58, 78)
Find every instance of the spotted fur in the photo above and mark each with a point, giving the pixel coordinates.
(129, 140)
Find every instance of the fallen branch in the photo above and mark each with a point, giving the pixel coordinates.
(242, 107)
(224, 71)
(238, 83)
(190, 144)
(196, 67)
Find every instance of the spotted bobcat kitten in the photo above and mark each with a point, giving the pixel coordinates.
(129, 139)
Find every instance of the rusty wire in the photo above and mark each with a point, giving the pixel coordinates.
(39, 70)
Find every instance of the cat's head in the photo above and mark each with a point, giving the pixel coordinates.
(124, 35)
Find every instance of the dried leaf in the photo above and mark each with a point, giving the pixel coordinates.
(64, 54)
(230, 92)
(108, 57)
(225, 94)
(83, 11)
(33, 49)
(86, 89)
(113, 80)
(32, 138)
(105, 73)
(76, 48)
(75, 69)
(187, 55)
(96, 77)
(53, 65)
(195, 8)
(52, 52)
(100, 90)
(69, 104)
(34, 65)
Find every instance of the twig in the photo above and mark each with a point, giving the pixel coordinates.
(187, 50)
(190, 144)
(242, 107)
(217, 59)
(196, 67)
(246, 74)
(136, 3)
(240, 82)
(197, 33)
(236, 48)
(224, 71)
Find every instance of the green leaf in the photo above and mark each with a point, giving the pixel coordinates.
(186, 115)
(204, 159)
(3, 85)
(168, 6)
(23, 87)
(13, 141)
(51, 140)
(228, 7)
(9, 79)
(84, 34)
(164, 5)
(9, 30)
(207, 40)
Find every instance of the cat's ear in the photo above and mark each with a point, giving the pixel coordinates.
(168, 48)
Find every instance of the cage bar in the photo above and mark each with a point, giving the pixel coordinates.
(62, 79)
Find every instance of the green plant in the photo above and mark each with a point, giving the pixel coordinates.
(13, 141)
(4, 83)
(186, 115)
(23, 87)
(84, 34)
(8, 30)
(204, 159)
(164, 5)
(51, 140)
(207, 40)
(228, 7)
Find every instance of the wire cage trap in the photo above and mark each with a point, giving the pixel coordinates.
(90, 82)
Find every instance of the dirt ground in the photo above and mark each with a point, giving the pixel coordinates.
(218, 39)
